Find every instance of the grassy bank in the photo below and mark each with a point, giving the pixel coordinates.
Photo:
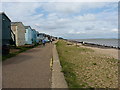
(83, 68)
(18, 50)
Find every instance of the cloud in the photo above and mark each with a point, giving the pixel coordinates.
(63, 8)
(67, 19)
(86, 17)
(21, 10)
(60, 1)
(115, 30)
(0, 7)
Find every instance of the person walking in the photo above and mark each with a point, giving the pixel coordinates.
(50, 40)
(43, 42)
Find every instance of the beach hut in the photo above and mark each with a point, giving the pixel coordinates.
(34, 36)
(47, 38)
(7, 40)
(38, 40)
(40, 36)
(28, 35)
(19, 31)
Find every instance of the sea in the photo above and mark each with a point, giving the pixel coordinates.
(106, 42)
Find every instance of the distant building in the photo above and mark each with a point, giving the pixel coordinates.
(40, 36)
(28, 35)
(19, 31)
(60, 38)
(47, 38)
(34, 35)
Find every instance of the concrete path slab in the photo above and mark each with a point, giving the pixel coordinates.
(30, 69)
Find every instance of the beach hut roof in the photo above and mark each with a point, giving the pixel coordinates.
(2, 13)
(16, 23)
(26, 27)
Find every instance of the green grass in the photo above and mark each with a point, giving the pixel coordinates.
(67, 67)
(83, 68)
(69, 75)
(21, 49)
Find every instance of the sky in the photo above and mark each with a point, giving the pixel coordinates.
(70, 20)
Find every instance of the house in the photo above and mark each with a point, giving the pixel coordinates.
(28, 35)
(6, 37)
(19, 31)
(40, 36)
(34, 36)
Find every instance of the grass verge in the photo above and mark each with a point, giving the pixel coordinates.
(83, 68)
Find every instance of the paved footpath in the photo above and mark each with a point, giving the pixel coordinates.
(30, 69)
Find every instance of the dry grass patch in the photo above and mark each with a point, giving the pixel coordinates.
(83, 67)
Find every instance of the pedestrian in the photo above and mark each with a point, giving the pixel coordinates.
(43, 42)
(51, 40)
